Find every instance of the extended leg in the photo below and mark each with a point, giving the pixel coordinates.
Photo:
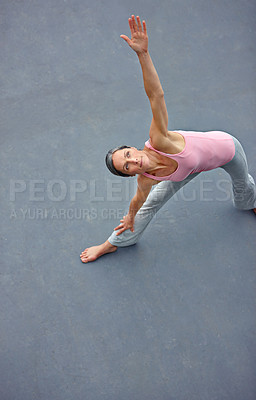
(156, 199)
(244, 189)
(159, 195)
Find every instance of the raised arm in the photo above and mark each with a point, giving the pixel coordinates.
(152, 85)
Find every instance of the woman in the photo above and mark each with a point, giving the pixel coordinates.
(169, 159)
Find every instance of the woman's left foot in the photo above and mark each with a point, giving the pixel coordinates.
(94, 252)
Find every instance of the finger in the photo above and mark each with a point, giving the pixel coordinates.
(126, 39)
(139, 24)
(135, 28)
(120, 231)
(144, 27)
(119, 227)
(131, 25)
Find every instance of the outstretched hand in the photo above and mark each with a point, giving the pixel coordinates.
(139, 37)
(126, 223)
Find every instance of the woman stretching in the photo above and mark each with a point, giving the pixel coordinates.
(169, 159)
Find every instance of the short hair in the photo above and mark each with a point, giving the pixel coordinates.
(109, 161)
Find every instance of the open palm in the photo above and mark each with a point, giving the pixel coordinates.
(139, 37)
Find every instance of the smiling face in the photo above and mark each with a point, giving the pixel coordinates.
(131, 161)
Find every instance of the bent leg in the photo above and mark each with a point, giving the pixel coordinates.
(159, 195)
(243, 185)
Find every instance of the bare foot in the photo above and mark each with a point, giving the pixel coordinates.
(94, 252)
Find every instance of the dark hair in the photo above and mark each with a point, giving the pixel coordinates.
(109, 161)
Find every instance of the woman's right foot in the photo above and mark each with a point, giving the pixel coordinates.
(94, 252)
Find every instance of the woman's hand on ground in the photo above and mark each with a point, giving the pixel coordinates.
(126, 223)
(139, 37)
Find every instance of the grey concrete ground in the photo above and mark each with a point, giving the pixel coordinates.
(172, 318)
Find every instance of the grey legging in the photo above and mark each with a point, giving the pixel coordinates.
(244, 196)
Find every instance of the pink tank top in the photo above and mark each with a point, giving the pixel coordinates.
(203, 151)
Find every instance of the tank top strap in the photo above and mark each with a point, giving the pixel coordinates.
(157, 178)
(149, 146)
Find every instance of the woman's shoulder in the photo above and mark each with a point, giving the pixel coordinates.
(172, 143)
(144, 182)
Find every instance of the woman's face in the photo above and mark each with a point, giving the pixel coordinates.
(131, 161)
